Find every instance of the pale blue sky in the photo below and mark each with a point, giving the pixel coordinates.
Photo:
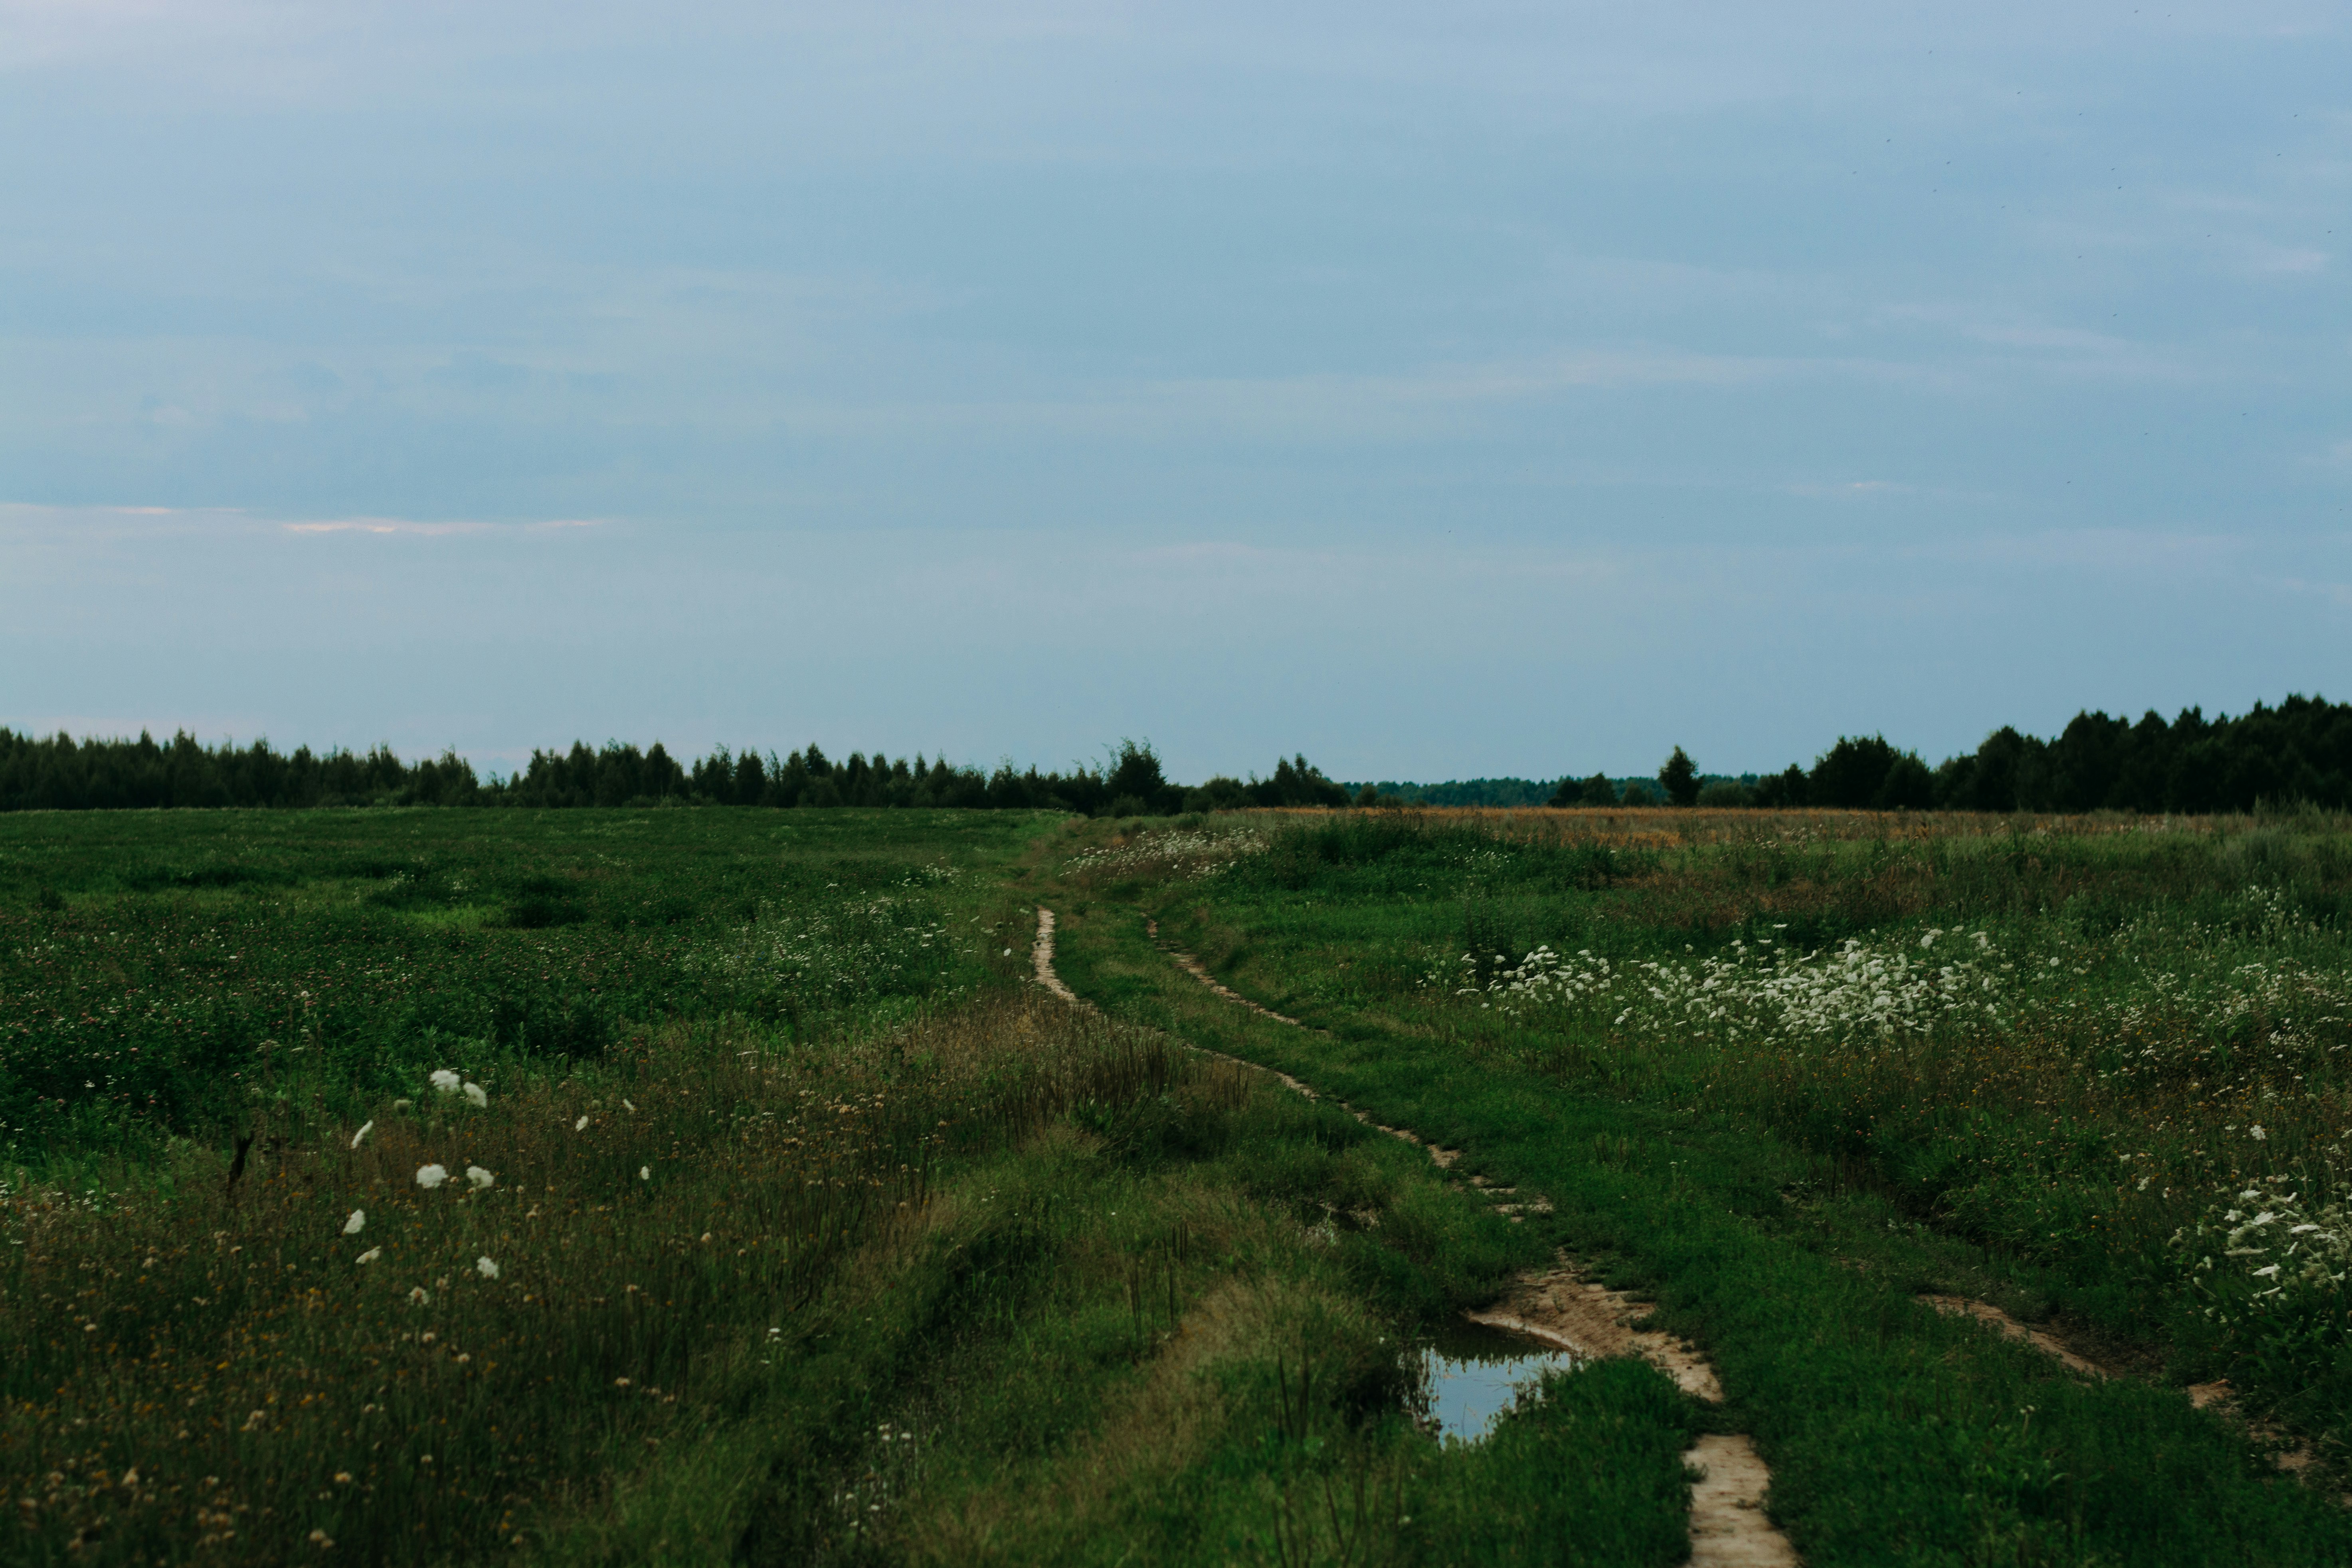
(1442, 390)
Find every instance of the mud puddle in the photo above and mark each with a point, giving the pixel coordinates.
(1470, 1376)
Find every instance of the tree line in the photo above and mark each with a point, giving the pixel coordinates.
(2299, 752)
(2295, 754)
(60, 774)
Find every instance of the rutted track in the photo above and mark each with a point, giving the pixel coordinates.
(1041, 955)
(1729, 1526)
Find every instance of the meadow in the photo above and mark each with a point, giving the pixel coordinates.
(677, 1186)
(681, 1185)
(2084, 1046)
(1794, 1072)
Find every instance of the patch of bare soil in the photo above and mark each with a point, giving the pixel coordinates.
(1729, 1526)
(1041, 960)
(1565, 1308)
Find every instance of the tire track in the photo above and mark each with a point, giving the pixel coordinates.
(1563, 1308)
(2287, 1452)
(1041, 958)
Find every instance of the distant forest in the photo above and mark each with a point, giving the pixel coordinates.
(60, 774)
(2297, 752)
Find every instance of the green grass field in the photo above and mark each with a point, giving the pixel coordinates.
(786, 1221)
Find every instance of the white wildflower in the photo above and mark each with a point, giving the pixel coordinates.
(644, 1173)
(445, 1082)
(370, 1256)
(486, 1268)
(476, 1095)
(366, 1127)
(580, 1125)
(431, 1176)
(356, 1223)
(480, 1178)
(2257, 1134)
(419, 1296)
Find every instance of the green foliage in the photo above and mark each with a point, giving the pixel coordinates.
(1678, 776)
(1785, 1184)
(1589, 1472)
(61, 774)
(1501, 793)
(2300, 751)
(1295, 782)
(785, 1267)
(1851, 773)
(186, 971)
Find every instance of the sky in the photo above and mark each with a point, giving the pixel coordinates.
(1446, 391)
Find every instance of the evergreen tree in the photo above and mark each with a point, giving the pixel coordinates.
(1679, 778)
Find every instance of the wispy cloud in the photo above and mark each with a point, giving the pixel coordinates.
(2282, 260)
(430, 530)
(33, 517)
(1850, 489)
(2336, 594)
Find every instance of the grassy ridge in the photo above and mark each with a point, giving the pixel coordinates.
(1769, 1228)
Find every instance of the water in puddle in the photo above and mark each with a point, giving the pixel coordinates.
(1468, 1378)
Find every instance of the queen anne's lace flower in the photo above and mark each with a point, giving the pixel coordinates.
(1855, 993)
(2299, 1230)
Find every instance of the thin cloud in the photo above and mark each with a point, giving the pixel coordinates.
(2336, 594)
(1852, 487)
(84, 519)
(384, 525)
(433, 530)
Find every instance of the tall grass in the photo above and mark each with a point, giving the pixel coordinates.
(2075, 1041)
(202, 1359)
(166, 975)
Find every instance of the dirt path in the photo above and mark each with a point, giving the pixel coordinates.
(1200, 972)
(2296, 1458)
(1040, 957)
(2010, 1328)
(1729, 1526)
